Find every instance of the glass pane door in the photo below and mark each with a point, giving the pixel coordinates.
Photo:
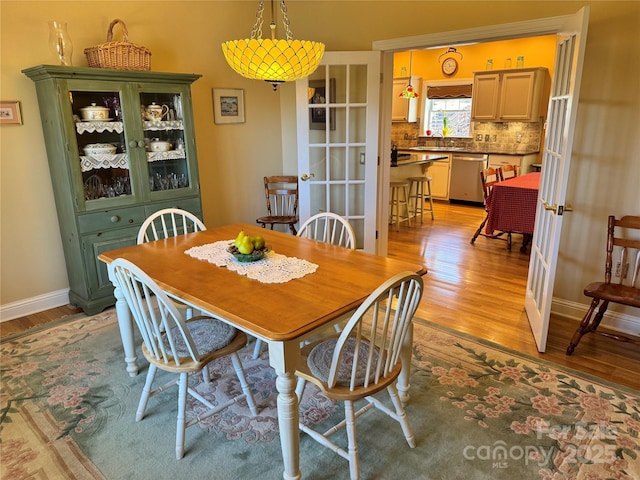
(337, 151)
(165, 146)
(102, 150)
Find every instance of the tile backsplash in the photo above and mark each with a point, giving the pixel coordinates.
(496, 137)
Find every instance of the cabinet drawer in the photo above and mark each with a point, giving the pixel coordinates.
(499, 160)
(189, 204)
(110, 219)
(522, 161)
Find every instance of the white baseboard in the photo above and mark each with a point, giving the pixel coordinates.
(33, 305)
(619, 322)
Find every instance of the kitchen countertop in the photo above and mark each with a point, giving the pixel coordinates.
(423, 158)
(466, 150)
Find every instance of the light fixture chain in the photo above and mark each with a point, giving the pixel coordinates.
(256, 32)
(285, 20)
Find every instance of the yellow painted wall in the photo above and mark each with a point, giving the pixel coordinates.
(537, 52)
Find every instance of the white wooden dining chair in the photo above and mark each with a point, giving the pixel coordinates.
(363, 360)
(328, 227)
(325, 227)
(176, 345)
(168, 222)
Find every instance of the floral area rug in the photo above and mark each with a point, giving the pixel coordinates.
(478, 412)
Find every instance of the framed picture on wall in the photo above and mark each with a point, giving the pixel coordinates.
(10, 113)
(228, 105)
(318, 95)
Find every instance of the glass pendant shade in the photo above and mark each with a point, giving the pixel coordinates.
(409, 92)
(273, 60)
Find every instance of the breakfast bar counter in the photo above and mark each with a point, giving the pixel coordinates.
(413, 158)
(415, 164)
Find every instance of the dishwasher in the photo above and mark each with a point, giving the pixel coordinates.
(465, 185)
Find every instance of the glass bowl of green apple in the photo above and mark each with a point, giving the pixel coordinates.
(246, 248)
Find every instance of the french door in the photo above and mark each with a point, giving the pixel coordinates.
(337, 110)
(561, 121)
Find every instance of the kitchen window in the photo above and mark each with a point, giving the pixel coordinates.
(452, 102)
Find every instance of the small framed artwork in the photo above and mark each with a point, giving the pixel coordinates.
(318, 95)
(10, 113)
(228, 105)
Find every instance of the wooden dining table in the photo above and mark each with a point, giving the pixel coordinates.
(281, 314)
(512, 206)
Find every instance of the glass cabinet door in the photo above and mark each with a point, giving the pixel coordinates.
(166, 147)
(102, 150)
(134, 143)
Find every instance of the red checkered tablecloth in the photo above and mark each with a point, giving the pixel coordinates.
(512, 204)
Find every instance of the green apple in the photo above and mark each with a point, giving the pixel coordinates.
(246, 246)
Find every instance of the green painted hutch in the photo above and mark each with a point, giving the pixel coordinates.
(109, 174)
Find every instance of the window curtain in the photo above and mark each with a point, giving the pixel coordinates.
(449, 91)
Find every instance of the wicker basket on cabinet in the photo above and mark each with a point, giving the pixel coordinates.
(119, 55)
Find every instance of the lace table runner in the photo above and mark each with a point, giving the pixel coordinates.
(273, 268)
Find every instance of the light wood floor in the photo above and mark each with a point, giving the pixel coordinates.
(478, 289)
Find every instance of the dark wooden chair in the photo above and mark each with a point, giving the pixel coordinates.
(489, 177)
(507, 171)
(623, 261)
(282, 202)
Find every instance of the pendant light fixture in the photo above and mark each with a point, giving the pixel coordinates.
(273, 60)
(409, 91)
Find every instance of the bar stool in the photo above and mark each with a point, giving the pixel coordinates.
(419, 196)
(397, 202)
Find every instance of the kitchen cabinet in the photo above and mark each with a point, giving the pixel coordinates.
(405, 109)
(517, 95)
(440, 173)
(102, 196)
(523, 162)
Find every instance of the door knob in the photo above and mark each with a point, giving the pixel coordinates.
(565, 209)
(305, 177)
(558, 209)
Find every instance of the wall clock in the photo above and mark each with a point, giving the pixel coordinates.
(449, 66)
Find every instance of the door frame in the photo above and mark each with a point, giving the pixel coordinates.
(490, 33)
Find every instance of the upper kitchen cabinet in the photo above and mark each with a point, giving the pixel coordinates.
(405, 109)
(509, 95)
(120, 145)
